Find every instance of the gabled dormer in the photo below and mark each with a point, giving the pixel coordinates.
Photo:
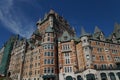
(98, 34)
(115, 36)
(84, 37)
(117, 31)
(48, 36)
(84, 33)
(65, 37)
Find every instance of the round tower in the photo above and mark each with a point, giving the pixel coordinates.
(86, 48)
(49, 57)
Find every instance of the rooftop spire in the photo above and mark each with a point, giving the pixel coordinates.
(49, 29)
(97, 29)
(51, 11)
(83, 32)
(116, 27)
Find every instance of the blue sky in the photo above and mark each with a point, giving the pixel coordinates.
(20, 16)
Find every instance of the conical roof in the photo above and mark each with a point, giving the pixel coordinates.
(83, 32)
(97, 29)
(51, 11)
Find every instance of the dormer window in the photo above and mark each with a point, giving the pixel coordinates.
(118, 30)
(84, 40)
(88, 57)
(65, 37)
(48, 39)
(48, 34)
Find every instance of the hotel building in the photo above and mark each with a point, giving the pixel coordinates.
(54, 52)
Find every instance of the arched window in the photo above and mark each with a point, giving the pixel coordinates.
(112, 76)
(118, 75)
(95, 66)
(90, 77)
(111, 67)
(79, 77)
(69, 78)
(103, 76)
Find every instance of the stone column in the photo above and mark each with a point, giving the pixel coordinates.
(108, 77)
(116, 76)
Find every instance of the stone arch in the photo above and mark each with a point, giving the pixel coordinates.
(103, 76)
(79, 77)
(118, 74)
(69, 78)
(90, 76)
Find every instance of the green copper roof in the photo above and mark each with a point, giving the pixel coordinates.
(36, 32)
(96, 35)
(49, 29)
(6, 55)
(83, 32)
(97, 29)
(76, 38)
(65, 36)
(31, 43)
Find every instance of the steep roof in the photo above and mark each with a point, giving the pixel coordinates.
(51, 11)
(97, 29)
(83, 32)
(67, 37)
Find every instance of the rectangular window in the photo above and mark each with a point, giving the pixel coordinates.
(48, 53)
(88, 57)
(93, 57)
(108, 57)
(52, 61)
(45, 70)
(65, 47)
(52, 47)
(101, 58)
(68, 69)
(48, 46)
(67, 58)
(99, 49)
(48, 34)
(49, 70)
(48, 39)
(45, 46)
(51, 53)
(45, 61)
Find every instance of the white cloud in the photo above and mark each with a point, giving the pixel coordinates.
(14, 21)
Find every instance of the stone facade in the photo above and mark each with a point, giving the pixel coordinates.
(55, 53)
(17, 59)
(1, 53)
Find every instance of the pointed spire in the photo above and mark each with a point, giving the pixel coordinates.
(51, 11)
(116, 27)
(83, 32)
(97, 29)
(45, 16)
(39, 21)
